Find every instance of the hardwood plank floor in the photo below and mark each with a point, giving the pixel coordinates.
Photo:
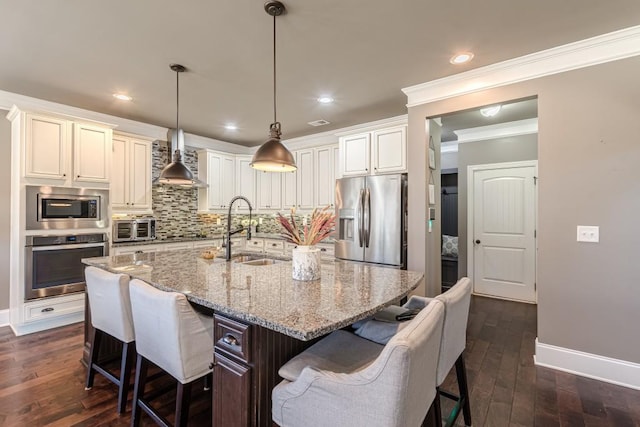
(508, 390)
(42, 381)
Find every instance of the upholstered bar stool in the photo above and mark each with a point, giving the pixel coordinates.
(173, 336)
(110, 314)
(454, 340)
(345, 380)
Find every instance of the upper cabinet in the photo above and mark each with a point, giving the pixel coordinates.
(218, 170)
(305, 179)
(131, 174)
(65, 152)
(377, 152)
(327, 171)
(245, 182)
(269, 190)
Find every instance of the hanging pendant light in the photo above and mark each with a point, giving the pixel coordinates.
(273, 156)
(176, 172)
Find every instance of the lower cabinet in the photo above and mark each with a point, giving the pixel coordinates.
(246, 362)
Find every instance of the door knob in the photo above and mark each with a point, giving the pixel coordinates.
(478, 241)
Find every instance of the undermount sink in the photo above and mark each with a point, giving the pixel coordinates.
(263, 261)
(254, 260)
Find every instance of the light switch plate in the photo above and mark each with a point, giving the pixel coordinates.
(588, 233)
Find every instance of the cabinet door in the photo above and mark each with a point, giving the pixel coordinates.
(245, 182)
(269, 190)
(119, 190)
(92, 151)
(231, 393)
(305, 180)
(227, 180)
(139, 174)
(289, 189)
(337, 173)
(324, 166)
(214, 173)
(389, 150)
(46, 145)
(354, 154)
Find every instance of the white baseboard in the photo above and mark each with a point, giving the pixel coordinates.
(4, 317)
(614, 371)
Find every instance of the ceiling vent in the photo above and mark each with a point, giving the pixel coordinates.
(320, 122)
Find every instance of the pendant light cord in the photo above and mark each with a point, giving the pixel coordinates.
(177, 101)
(274, 70)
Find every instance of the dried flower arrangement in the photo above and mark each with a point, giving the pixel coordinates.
(320, 227)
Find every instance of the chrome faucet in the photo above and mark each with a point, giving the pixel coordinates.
(230, 233)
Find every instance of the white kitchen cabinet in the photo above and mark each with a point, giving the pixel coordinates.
(92, 153)
(245, 182)
(129, 250)
(269, 190)
(377, 152)
(178, 246)
(326, 168)
(289, 190)
(67, 152)
(217, 170)
(254, 245)
(274, 246)
(389, 150)
(207, 244)
(131, 174)
(46, 145)
(305, 179)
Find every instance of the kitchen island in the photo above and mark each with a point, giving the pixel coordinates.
(262, 317)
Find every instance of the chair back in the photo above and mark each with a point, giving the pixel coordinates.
(170, 333)
(454, 336)
(405, 373)
(110, 303)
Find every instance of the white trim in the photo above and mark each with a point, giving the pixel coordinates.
(371, 126)
(31, 327)
(608, 47)
(4, 317)
(602, 368)
(471, 169)
(500, 130)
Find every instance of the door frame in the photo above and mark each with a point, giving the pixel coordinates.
(471, 169)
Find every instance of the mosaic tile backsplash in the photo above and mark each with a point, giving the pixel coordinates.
(176, 208)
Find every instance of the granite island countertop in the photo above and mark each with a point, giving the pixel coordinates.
(267, 295)
(214, 236)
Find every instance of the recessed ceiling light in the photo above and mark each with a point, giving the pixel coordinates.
(461, 58)
(490, 111)
(231, 126)
(325, 100)
(122, 97)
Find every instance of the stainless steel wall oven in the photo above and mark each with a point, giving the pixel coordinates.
(53, 263)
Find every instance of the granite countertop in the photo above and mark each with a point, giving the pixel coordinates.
(267, 295)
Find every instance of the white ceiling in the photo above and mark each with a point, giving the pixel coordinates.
(361, 52)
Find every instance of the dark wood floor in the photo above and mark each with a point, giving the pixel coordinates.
(42, 380)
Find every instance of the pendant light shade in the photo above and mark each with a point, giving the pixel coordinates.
(273, 156)
(176, 172)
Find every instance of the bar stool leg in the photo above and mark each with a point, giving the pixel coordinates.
(142, 365)
(126, 363)
(96, 340)
(461, 373)
(183, 397)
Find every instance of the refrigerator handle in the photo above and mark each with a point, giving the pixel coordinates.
(367, 211)
(361, 218)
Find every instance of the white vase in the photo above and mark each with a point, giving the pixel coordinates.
(306, 263)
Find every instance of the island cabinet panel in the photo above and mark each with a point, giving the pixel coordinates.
(246, 370)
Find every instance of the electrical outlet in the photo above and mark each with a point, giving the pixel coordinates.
(588, 233)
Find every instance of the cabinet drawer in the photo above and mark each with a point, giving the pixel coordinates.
(207, 244)
(274, 246)
(289, 247)
(327, 251)
(255, 245)
(53, 307)
(232, 337)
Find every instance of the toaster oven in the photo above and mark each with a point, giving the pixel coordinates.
(134, 230)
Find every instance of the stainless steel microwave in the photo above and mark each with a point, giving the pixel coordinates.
(58, 208)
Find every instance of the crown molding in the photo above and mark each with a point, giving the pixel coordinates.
(608, 47)
(483, 133)
(371, 126)
(23, 102)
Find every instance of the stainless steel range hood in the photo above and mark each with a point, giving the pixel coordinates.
(176, 172)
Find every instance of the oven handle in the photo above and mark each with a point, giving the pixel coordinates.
(72, 246)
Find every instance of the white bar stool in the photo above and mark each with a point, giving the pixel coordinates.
(110, 314)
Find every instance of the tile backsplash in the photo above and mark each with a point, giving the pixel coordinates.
(176, 208)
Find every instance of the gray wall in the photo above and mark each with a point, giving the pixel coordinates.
(449, 160)
(5, 207)
(588, 153)
(512, 149)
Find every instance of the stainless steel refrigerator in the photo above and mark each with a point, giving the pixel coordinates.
(371, 219)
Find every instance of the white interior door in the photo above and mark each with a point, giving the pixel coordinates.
(502, 224)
